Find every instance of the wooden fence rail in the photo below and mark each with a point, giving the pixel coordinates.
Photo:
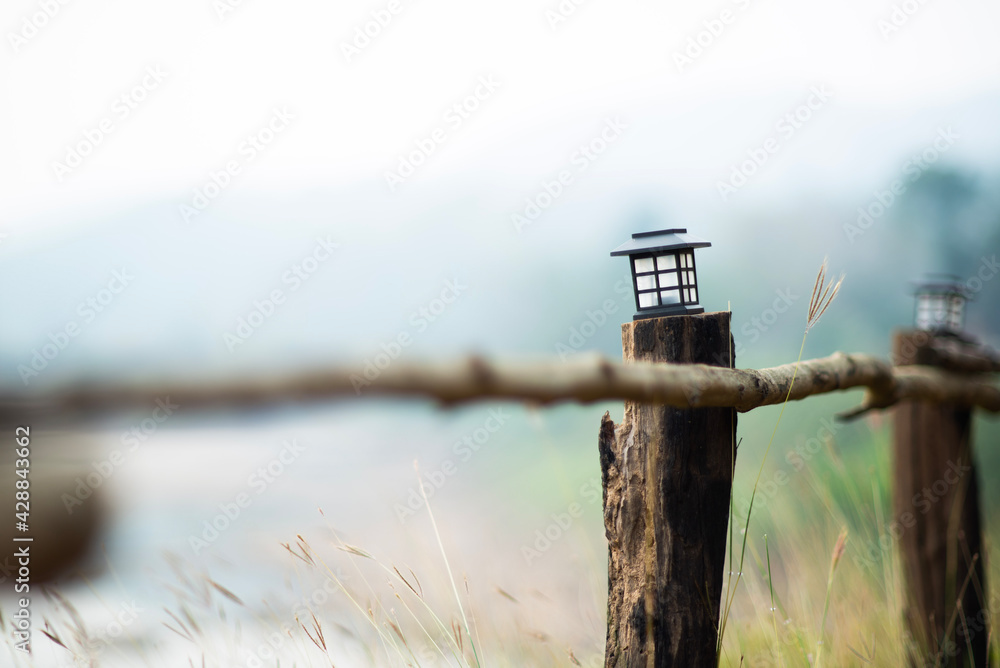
(588, 379)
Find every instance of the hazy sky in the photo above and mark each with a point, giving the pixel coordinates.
(224, 69)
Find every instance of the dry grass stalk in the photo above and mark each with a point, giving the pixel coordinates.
(823, 295)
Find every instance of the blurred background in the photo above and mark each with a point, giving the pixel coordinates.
(199, 189)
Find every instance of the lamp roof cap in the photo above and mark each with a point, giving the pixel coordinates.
(941, 284)
(660, 240)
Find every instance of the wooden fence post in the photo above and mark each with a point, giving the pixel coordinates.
(936, 505)
(667, 475)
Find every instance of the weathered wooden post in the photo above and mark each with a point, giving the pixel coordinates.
(667, 474)
(936, 494)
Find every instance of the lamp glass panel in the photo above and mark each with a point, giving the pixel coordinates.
(694, 296)
(939, 309)
(955, 315)
(647, 299)
(643, 264)
(670, 297)
(684, 260)
(668, 280)
(924, 304)
(666, 262)
(646, 282)
(923, 312)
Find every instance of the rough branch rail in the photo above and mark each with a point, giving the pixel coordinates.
(589, 379)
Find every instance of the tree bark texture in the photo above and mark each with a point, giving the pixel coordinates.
(667, 475)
